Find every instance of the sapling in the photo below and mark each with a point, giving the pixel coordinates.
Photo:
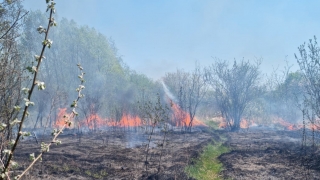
(7, 161)
(165, 130)
(41, 86)
(148, 116)
(56, 132)
(154, 115)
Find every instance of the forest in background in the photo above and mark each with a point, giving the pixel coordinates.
(236, 91)
(113, 89)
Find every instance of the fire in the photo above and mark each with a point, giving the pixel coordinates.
(220, 121)
(182, 118)
(60, 121)
(244, 124)
(223, 124)
(314, 127)
(126, 120)
(285, 124)
(94, 121)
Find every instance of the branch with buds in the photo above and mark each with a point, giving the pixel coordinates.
(7, 163)
(56, 132)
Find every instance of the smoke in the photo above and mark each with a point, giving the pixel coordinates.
(167, 91)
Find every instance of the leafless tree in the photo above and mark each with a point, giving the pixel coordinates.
(11, 73)
(310, 68)
(308, 60)
(155, 115)
(234, 88)
(190, 89)
(91, 107)
(175, 85)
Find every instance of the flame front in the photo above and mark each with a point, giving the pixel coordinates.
(182, 118)
(287, 125)
(93, 121)
(244, 124)
(126, 120)
(61, 120)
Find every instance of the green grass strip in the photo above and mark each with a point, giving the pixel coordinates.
(208, 166)
(212, 124)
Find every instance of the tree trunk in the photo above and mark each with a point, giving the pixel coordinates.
(236, 126)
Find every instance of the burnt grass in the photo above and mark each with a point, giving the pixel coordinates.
(266, 154)
(254, 154)
(114, 155)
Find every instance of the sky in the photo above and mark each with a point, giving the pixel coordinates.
(154, 37)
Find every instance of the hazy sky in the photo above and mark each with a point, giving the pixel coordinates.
(159, 36)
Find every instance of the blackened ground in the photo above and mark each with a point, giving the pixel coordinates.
(109, 155)
(265, 154)
(255, 154)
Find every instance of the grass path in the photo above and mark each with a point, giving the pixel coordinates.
(207, 166)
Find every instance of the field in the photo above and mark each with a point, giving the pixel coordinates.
(118, 154)
(266, 154)
(115, 155)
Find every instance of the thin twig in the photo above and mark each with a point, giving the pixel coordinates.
(14, 24)
(29, 97)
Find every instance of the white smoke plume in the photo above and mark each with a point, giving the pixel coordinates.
(167, 91)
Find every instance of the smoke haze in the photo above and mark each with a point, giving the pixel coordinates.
(155, 37)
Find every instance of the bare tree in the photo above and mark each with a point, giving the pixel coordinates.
(11, 73)
(90, 108)
(310, 68)
(234, 88)
(11, 13)
(155, 115)
(190, 89)
(175, 85)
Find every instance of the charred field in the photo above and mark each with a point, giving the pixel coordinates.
(115, 155)
(119, 154)
(267, 154)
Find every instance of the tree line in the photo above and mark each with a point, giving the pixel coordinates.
(234, 90)
(113, 88)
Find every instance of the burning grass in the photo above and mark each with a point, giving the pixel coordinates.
(93, 121)
(254, 153)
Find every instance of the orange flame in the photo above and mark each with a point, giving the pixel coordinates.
(244, 124)
(182, 118)
(285, 124)
(126, 121)
(221, 121)
(314, 127)
(94, 121)
(276, 121)
(61, 120)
